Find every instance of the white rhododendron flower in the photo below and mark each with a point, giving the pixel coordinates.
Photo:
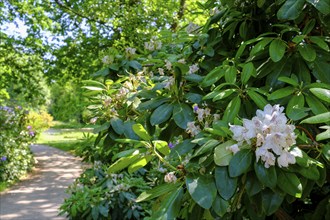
(270, 133)
(192, 129)
(170, 177)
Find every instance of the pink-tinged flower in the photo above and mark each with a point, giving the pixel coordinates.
(170, 178)
(192, 129)
(31, 133)
(266, 156)
(170, 82)
(29, 127)
(171, 145)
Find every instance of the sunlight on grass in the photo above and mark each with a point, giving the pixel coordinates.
(64, 139)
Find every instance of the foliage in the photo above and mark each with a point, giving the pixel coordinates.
(15, 136)
(40, 121)
(96, 195)
(67, 102)
(173, 105)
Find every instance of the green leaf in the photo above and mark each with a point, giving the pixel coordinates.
(320, 70)
(271, 201)
(223, 94)
(230, 74)
(161, 114)
(326, 152)
(288, 80)
(162, 146)
(213, 76)
(290, 10)
(226, 185)
(321, 118)
(157, 191)
(102, 72)
(316, 106)
(240, 163)
(281, 93)
(170, 207)
(319, 41)
(182, 114)
(297, 113)
(323, 135)
(123, 162)
(260, 101)
(102, 127)
(141, 132)
(309, 26)
(222, 156)
(310, 172)
(117, 125)
(323, 94)
(322, 5)
(248, 71)
(208, 146)
(260, 46)
(197, 186)
(232, 110)
(253, 185)
(153, 103)
(307, 52)
(289, 183)
(267, 176)
(135, 64)
(220, 206)
(136, 165)
(295, 108)
(277, 49)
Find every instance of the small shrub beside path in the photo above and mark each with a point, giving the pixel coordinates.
(40, 196)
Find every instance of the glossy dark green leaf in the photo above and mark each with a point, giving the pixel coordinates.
(326, 152)
(307, 52)
(323, 94)
(323, 135)
(157, 191)
(135, 64)
(295, 108)
(267, 176)
(310, 172)
(161, 114)
(277, 49)
(170, 207)
(260, 46)
(102, 127)
(289, 183)
(316, 106)
(220, 206)
(317, 119)
(309, 26)
(182, 114)
(320, 70)
(197, 186)
(118, 125)
(232, 109)
(322, 5)
(230, 74)
(319, 41)
(213, 76)
(253, 186)
(281, 93)
(271, 201)
(223, 94)
(290, 10)
(226, 185)
(240, 163)
(288, 80)
(208, 146)
(153, 103)
(248, 71)
(260, 101)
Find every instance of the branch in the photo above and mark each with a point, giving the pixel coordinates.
(62, 5)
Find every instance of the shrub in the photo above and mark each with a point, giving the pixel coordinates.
(15, 136)
(39, 121)
(235, 111)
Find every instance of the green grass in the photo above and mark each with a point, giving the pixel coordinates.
(3, 186)
(67, 140)
(70, 125)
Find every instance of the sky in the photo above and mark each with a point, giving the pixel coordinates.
(15, 30)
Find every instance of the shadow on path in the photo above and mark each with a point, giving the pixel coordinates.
(40, 196)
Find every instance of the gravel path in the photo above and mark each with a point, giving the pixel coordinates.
(41, 194)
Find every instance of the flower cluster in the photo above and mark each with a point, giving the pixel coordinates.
(130, 51)
(193, 68)
(270, 134)
(107, 60)
(170, 177)
(153, 44)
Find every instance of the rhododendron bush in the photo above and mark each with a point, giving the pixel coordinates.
(224, 121)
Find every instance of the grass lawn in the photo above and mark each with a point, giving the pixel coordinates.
(65, 136)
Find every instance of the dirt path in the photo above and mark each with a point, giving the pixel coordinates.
(40, 196)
